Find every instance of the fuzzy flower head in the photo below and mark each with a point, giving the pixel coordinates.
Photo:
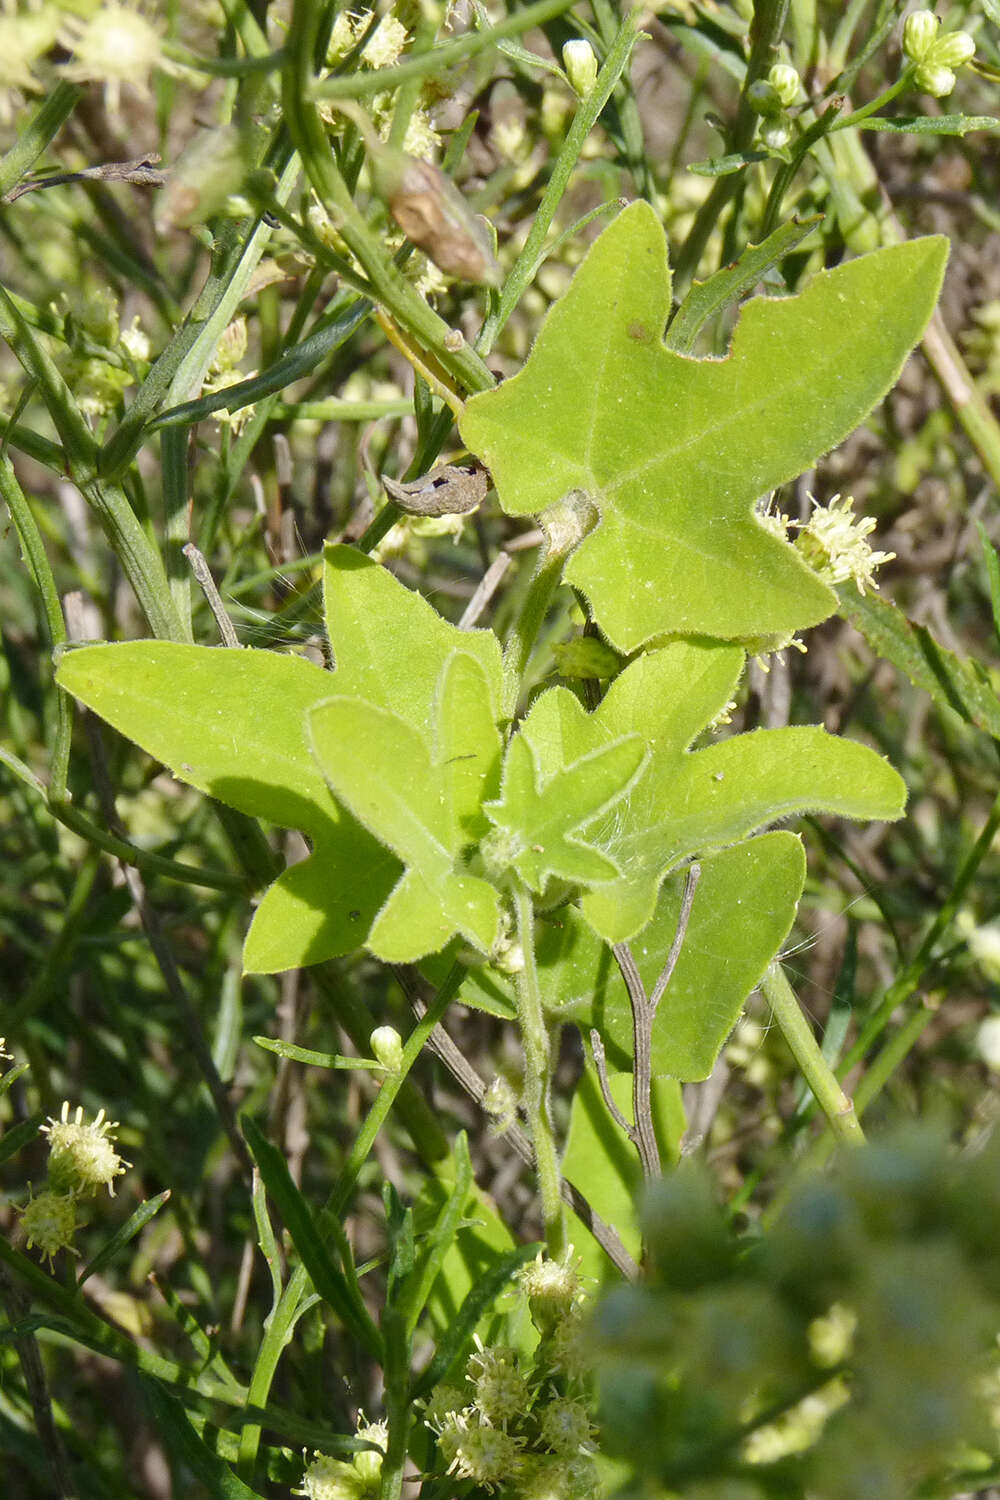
(116, 45)
(49, 1223)
(565, 1425)
(23, 40)
(367, 1463)
(7, 1056)
(488, 1456)
(553, 1289)
(330, 1479)
(834, 544)
(544, 1477)
(82, 1158)
(501, 1389)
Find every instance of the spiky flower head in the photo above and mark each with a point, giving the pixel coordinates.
(368, 1463)
(565, 1425)
(501, 1389)
(82, 1158)
(330, 1479)
(115, 45)
(544, 1477)
(8, 1056)
(488, 1456)
(386, 42)
(49, 1222)
(553, 1289)
(833, 543)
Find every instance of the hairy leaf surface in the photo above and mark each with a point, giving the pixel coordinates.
(674, 451)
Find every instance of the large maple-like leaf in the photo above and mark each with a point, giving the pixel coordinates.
(674, 451)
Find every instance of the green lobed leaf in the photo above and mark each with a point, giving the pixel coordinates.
(674, 452)
(709, 297)
(421, 801)
(538, 820)
(598, 1154)
(743, 909)
(952, 681)
(389, 644)
(689, 802)
(232, 723)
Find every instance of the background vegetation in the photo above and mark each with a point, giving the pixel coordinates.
(215, 278)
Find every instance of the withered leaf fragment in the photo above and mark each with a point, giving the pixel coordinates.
(431, 212)
(448, 490)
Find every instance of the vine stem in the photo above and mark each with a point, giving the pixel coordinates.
(536, 1081)
(829, 1095)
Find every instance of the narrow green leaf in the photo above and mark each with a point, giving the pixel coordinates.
(329, 1280)
(190, 1449)
(707, 298)
(134, 1224)
(992, 562)
(18, 1136)
(441, 1237)
(929, 124)
(952, 681)
(479, 1297)
(725, 166)
(674, 452)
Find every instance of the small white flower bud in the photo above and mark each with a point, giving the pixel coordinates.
(954, 50)
(763, 98)
(988, 1042)
(387, 1048)
(919, 34)
(580, 64)
(931, 79)
(776, 133)
(785, 81)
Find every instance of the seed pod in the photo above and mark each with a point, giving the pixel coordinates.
(432, 213)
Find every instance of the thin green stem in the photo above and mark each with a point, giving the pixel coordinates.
(284, 1314)
(822, 1080)
(44, 125)
(403, 303)
(533, 252)
(535, 1040)
(765, 35)
(907, 982)
(521, 641)
(37, 562)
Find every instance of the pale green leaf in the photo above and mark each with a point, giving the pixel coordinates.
(952, 681)
(421, 805)
(743, 909)
(389, 645)
(232, 723)
(674, 452)
(538, 821)
(686, 802)
(605, 1166)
